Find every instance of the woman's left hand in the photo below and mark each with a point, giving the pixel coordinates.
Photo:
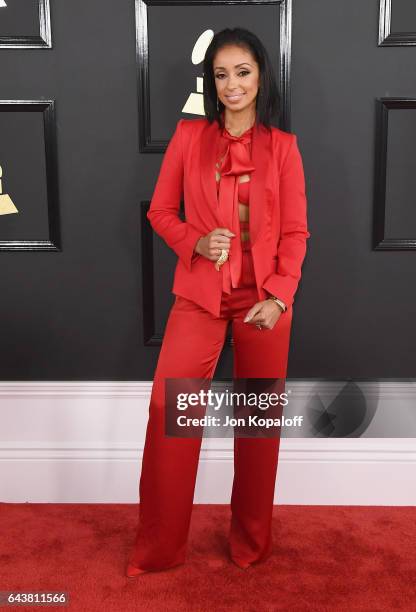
(265, 313)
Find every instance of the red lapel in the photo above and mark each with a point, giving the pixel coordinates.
(261, 154)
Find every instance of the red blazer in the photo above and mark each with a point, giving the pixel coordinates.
(277, 212)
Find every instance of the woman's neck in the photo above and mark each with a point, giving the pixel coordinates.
(236, 124)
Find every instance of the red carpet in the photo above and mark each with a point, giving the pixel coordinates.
(326, 558)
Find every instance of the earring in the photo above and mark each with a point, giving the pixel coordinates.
(218, 108)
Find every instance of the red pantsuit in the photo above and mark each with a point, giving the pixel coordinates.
(206, 301)
(169, 466)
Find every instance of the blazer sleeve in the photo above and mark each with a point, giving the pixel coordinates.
(294, 232)
(179, 235)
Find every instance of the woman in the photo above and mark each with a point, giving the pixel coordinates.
(240, 254)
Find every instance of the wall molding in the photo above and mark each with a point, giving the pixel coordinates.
(380, 241)
(148, 144)
(48, 110)
(43, 40)
(387, 38)
(82, 442)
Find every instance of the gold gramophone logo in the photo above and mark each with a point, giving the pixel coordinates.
(6, 204)
(195, 102)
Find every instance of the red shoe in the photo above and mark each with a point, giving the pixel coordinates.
(133, 571)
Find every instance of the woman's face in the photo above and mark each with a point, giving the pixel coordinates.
(236, 75)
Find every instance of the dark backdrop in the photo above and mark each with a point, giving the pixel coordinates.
(76, 314)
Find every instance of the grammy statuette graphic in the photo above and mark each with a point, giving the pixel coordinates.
(195, 103)
(6, 204)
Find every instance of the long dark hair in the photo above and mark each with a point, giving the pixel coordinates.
(268, 97)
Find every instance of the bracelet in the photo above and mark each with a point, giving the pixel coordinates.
(278, 302)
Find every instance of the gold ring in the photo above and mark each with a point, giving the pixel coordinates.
(259, 325)
(222, 259)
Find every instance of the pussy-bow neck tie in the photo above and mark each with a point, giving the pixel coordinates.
(236, 161)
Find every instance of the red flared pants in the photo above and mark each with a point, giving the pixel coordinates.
(191, 347)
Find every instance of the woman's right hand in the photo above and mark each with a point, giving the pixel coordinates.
(210, 246)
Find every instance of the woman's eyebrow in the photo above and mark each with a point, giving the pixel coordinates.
(236, 66)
